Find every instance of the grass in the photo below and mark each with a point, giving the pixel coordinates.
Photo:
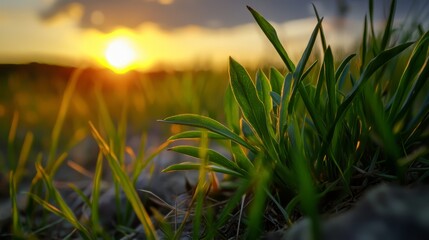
(315, 127)
(292, 141)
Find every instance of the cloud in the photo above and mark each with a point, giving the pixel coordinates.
(170, 14)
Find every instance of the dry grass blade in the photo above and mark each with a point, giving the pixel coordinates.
(126, 184)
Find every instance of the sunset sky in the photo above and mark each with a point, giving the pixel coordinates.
(174, 33)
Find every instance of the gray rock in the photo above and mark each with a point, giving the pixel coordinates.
(385, 212)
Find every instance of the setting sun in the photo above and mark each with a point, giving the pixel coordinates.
(120, 55)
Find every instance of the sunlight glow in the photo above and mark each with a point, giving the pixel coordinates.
(120, 50)
(120, 54)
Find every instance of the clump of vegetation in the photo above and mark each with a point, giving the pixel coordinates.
(298, 142)
(296, 138)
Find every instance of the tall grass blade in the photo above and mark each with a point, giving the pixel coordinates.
(65, 103)
(185, 166)
(263, 88)
(95, 196)
(322, 34)
(256, 214)
(232, 111)
(211, 155)
(283, 112)
(271, 34)
(307, 194)
(64, 209)
(318, 121)
(330, 82)
(276, 80)
(126, 184)
(195, 134)
(195, 120)
(11, 141)
(297, 74)
(384, 129)
(240, 157)
(388, 29)
(413, 68)
(374, 43)
(364, 44)
(251, 106)
(372, 67)
(343, 66)
(23, 157)
(201, 188)
(16, 225)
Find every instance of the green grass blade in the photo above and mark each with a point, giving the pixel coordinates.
(283, 113)
(65, 103)
(54, 168)
(240, 158)
(247, 98)
(330, 82)
(195, 120)
(343, 77)
(364, 45)
(417, 88)
(417, 123)
(418, 58)
(16, 226)
(375, 47)
(212, 156)
(249, 133)
(319, 123)
(23, 157)
(194, 134)
(306, 72)
(232, 111)
(11, 141)
(319, 86)
(276, 80)
(126, 184)
(276, 99)
(343, 66)
(297, 74)
(186, 166)
(322, 34)
(388, 29)
(372, 67)
(201, 188)
(66, 212)
(105, 118)
(257, 209)
(307, 193)
(263, 88)
(251, 106)
(271, 34)
(384, 129)
(95, 196)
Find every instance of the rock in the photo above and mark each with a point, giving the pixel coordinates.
(385, 212)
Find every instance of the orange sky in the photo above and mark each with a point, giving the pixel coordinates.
(61, 39)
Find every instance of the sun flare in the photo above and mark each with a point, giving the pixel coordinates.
(120, 55)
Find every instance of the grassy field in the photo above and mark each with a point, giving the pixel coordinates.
(300, 140)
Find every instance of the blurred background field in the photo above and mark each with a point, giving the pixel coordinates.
(31, 96)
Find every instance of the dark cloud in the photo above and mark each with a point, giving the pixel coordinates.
(108, 14)
(206, 13)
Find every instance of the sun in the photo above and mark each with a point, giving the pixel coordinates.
(120, 55)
